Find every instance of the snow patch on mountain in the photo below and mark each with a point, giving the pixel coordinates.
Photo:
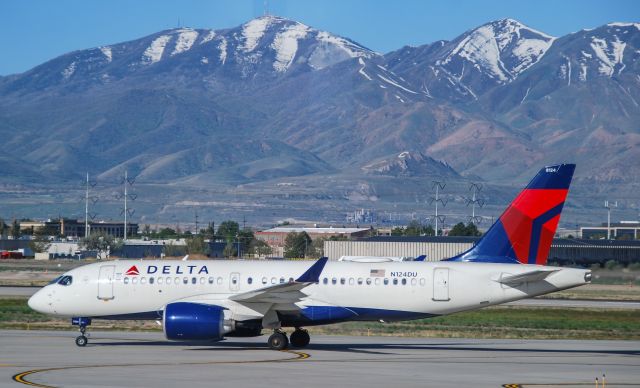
(609, 57)
(253, 31)
(333, 49)
(68, 72)
(223, 50)
(209, 37)
(106, 51)
(186, 39)
(153, 53)
(286, 45)
(618, 24)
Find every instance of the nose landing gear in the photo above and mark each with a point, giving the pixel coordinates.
(81, 340)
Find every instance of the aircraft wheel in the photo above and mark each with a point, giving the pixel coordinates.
(81, 340)
(278, 341)
(300, 338)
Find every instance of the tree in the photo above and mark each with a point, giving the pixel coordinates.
(15, 230)
(101, 242)
(166, 233)
(245, 237)
(197, 245)
(209, 233)
(460, 229)
(413, 229)
(296, 244)
(39, 243)
(397, 231)
(228, 230)
(3, 227)
(260, 248)
(229, 250)
(429, 231)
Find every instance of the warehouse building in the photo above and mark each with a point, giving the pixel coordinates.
(275, 237)
(563, 251)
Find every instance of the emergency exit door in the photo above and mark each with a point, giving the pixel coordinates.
(441, 284)
(105, 282)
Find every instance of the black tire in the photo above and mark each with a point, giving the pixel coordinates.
(278, 341)
(81, 340)
(300, 338)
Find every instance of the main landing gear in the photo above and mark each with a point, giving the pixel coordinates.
(279, 341)
(81, 340)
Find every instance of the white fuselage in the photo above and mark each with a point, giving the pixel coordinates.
(376, 291)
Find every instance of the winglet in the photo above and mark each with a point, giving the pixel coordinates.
(312, 275)
(421, 258)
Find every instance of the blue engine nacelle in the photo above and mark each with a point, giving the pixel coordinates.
(195, 321)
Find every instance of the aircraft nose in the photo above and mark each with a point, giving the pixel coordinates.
(39, 302)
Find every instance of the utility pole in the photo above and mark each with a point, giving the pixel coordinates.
(196, 221)
(475, 188)
(86, 208)
(438, 185)
(126, 181)
(608, 207)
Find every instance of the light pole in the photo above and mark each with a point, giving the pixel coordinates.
(608, 207)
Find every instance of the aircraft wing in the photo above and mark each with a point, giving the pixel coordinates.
(531, 276)
(284, 293)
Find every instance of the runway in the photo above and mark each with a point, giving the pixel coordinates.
(51, 359)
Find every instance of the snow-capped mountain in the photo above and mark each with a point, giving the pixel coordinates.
(195, 104)
(490, 55)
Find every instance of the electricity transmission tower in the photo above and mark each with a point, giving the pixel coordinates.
(438, 185)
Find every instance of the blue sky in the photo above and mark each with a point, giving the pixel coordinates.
(34, 31)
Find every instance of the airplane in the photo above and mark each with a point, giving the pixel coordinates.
(381, 259)
(213, 299)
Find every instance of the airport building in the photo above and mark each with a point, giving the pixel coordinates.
(74, 228)
(623, 230)
(275, 237)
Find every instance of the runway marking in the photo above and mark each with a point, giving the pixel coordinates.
(20, 377)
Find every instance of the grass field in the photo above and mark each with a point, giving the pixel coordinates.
(492, 322)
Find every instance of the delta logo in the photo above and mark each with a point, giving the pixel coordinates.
(133, 271)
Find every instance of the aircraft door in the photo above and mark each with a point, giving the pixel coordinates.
(105, 282)
(234, 281)
(441, 284)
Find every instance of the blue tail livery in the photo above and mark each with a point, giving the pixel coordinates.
(524, 232)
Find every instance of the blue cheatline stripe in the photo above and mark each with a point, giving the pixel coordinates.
(536, 231)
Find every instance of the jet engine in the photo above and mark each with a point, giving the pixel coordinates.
(195, 321)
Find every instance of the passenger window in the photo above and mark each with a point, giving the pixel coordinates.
(273, 280)
(211, 279)
(185, 280)
(377, 281)
(168, 281)
(422, 281)
(352, 281)
(395, 281)
(343, 281)
(386, 281)
(360, 281)
(219, 280)
(143, 280)
(134, 280)
(281, 280)
(291, 280)
(194, 280)
(160, 280)
(126, 280)
(334, 280)
(151, 280)
(249, 280)
(368, 281)
(264, 280)
(201, 280)
(234, 280)
(404, 281)
(414, 281)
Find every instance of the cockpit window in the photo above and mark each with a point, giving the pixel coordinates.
(54, 281)
(65, 280)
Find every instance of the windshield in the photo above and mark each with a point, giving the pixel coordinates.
(65, 280)
(54, 281)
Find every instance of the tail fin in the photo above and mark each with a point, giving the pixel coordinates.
(524, 232)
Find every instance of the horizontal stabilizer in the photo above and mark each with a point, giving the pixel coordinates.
(532, 276)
